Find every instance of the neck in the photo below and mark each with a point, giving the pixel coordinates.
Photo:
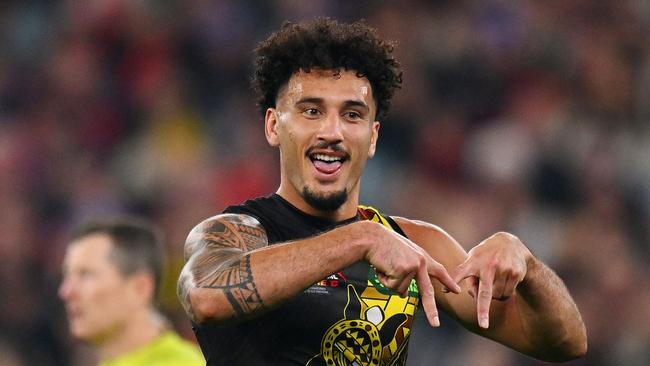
(346, 211)
(141, 330)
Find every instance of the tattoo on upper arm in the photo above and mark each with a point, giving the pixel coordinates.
(216, 254)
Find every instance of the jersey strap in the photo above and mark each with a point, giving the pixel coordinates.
(372, 214)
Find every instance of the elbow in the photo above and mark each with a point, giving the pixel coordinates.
(576, 347)
(582, 350)
(208, 305)
(570, 349)
(204, 307)
(581, 344)
(579, 347)
(576, 350)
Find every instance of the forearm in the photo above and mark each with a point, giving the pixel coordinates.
(246, 283)
(549, 317)
(282, 271)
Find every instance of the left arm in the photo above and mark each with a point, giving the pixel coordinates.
(549, 315)
(533, 312)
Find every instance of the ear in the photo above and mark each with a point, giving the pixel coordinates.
(142, 287)
(373, 139)
(271, 126)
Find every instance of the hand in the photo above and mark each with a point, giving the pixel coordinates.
(494, 269)
(398, 260)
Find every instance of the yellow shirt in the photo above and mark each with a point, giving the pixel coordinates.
(167, 350)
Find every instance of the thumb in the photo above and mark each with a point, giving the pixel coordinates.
(462, 271)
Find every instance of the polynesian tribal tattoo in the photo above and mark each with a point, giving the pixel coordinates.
(216, 254)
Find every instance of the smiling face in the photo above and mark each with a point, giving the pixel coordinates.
(324, 125)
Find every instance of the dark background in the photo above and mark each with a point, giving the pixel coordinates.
(526, 116)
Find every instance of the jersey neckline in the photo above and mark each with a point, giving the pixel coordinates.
(312, 218)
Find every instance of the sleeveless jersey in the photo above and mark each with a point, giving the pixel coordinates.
(348, 318)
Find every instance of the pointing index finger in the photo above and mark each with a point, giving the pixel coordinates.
(484, 298)
(428, 296)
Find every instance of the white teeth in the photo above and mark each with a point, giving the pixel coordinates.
(326, 158)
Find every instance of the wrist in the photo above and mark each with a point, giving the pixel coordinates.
(353, 239)
(362, 237)
(532, 266)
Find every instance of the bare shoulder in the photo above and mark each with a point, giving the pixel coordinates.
(217, 266)
(236, 231)
(432, 238)
(418, 230)
(444, 249)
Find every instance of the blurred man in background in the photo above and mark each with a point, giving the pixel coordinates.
(111, 277)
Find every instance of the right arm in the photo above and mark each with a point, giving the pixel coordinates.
(231, 272)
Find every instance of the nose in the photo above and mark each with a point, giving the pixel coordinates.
(66, 289)
(331, 129)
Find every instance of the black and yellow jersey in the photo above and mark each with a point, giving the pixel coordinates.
(347, 318)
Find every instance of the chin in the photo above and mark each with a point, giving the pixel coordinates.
(83, 332)
(325, 201)
(79, 333)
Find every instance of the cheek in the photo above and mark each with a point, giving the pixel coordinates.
(290, 145)
(363, 153)
(363, 141)
(104, 307)
(294, 137)
(290, 140)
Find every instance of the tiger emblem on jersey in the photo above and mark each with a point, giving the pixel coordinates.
(378, 333)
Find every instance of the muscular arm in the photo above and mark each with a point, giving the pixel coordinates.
(549, 316)
(231, 271)
(216, 255)
(540, 319)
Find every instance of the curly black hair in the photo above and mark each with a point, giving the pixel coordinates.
(327, 44)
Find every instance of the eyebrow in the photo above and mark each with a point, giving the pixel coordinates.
(347, 103)
(356, 103)
(313, 100)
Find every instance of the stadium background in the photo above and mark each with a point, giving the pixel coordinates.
(529, 116)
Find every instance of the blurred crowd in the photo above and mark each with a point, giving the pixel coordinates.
(526, 116)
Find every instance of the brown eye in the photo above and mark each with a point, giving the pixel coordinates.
(352, 115)
(311, 112)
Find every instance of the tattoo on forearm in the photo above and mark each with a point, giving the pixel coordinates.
(242, 294)
(217, 259)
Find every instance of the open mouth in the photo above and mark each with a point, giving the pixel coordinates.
(327, 163)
